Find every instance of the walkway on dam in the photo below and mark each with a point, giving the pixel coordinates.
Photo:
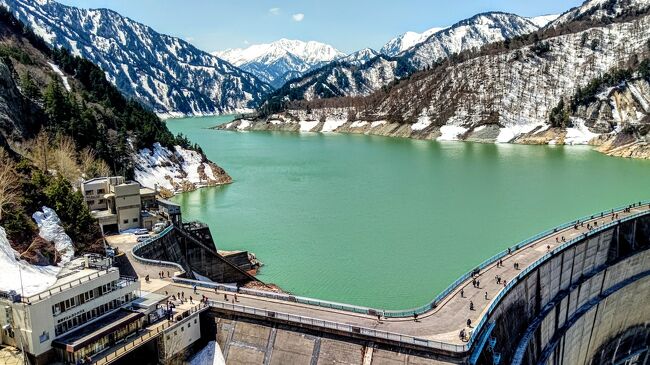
(442, 323)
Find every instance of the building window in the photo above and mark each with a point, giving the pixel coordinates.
(91, 202)
(90, 192)
(126, 221)
(100, 191)
(135, 220)
(101, 201)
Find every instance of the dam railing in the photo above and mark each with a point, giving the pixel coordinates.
(150, 240)
(408, 312)
(341, 327)
(401, 313)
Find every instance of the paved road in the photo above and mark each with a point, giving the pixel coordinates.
(443, 323)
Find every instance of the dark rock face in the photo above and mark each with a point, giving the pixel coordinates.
(18, 116)
(164, 72)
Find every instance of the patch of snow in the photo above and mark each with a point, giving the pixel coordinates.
(307, 125)
(244, 124)
(579, 134)
(275, 121)
(451, 132)
(358, 124)
(377, 123)
(330, 125)
(20, 276)
(209, 355)
(50, 229)
(64, 78)
(508, 133)
(423, 122)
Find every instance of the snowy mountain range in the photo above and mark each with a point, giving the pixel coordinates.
(282, 60)
(341, 79)
(510, 92)
(166, 73)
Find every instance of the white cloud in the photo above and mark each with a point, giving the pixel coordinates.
(298, 17)
(274, 11)
(189, 39)
(246, 41)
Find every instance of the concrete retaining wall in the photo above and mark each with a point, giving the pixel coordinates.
(548, 310)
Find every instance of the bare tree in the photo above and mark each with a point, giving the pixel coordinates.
(40, 151)
(9, 181)
(65, 159)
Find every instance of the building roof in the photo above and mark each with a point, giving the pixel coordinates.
(97, 329)
(147, 191)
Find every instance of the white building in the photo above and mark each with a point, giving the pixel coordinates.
(80, 315)
(117, 204)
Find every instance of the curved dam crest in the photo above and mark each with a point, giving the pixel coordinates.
(307, 206)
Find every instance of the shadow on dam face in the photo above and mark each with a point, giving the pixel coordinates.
(589, 304)
(631, 346)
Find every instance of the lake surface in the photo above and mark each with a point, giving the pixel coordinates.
(389, 222)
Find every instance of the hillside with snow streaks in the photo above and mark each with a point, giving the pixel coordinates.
(282, 60)
(471, 33)
(166, 73)
(507, 96)
(598, 10)
(348, 79)
(176, 171)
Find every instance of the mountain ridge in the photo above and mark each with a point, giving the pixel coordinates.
(165, 73)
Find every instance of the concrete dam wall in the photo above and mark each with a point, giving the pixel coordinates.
(580, 305)
(194, 255)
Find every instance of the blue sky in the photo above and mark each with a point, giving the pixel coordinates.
(348, 25)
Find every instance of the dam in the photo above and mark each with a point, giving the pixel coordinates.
(574, 294)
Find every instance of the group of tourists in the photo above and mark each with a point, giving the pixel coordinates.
(161, 275)
(500, 263)
(476, 283)
(516, 265)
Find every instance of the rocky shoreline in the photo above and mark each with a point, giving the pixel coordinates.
(627, 144)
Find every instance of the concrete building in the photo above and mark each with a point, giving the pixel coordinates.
(118, 204)
(82, 314)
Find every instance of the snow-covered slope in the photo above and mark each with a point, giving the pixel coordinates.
(405, 41)
(177, 171)
(341, 79)
(50, 229)
(164, 72)
(471, 33)
(279, 61)
(597, 10)
(543, 20)
(359, 57)
(25, 278)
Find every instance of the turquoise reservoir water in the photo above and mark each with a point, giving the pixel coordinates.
(390, 222)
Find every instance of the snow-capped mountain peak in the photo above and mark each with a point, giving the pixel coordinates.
(281, 60)
(360, 57)
(406, 40)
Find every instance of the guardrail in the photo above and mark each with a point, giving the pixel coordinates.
(409, 312)
(427, 307)
(513, 282)
(60, 288)
(355, 330)
(152, 239)
(430, 305)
